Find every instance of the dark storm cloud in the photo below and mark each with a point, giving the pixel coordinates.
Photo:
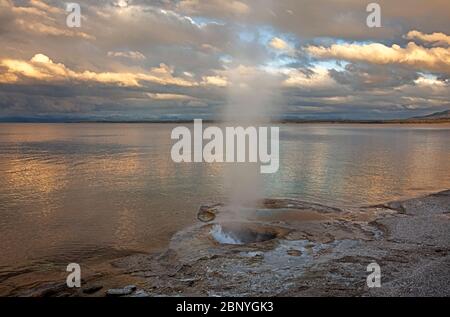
(364, 76)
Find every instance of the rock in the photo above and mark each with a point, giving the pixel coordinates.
(127, 290)
(275, 203)
(92, 289)
(140, 293)
(293, 252)
(207, 213)
(397, 206)
(189, 281)
(393, 205)
(47, 290)
(256, 254)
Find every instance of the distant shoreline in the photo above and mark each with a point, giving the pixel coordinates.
(437, 117)
(407, 121)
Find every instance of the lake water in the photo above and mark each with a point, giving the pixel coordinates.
(70, 192)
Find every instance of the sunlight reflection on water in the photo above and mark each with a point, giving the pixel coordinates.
(71, 191)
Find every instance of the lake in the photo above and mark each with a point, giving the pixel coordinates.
(71, 192)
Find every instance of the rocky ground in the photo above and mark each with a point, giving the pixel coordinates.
(286, 247)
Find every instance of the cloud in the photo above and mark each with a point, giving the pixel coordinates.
(325, 18)
(129, 54)
(41, 67)
(319, 78)
(278, 44)
(39, 18)
(165, 56)
(44, 6)
(436, 38)
(436, 59)
(369, 76)
(229, 8)
(430, 82)
(163, 96)
(219, 81)
(121, 3)
(281, 45)
(43, 29)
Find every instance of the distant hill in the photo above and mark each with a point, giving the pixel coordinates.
(436, 115)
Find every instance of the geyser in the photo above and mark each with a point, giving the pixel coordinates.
(245, 233)
(251, 94)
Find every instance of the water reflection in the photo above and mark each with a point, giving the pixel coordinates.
(70, 191)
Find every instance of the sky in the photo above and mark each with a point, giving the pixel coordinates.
(179, 59)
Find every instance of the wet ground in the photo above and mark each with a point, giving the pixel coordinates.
(286, 247)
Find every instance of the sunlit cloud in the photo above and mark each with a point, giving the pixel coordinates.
(184, 57)
(413, 55)
(41, 67)
(281, 45)
(437, 38)
(319, 78)
(219, 81)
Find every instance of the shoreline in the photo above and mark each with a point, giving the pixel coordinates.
(207, 121)
(310, 250)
